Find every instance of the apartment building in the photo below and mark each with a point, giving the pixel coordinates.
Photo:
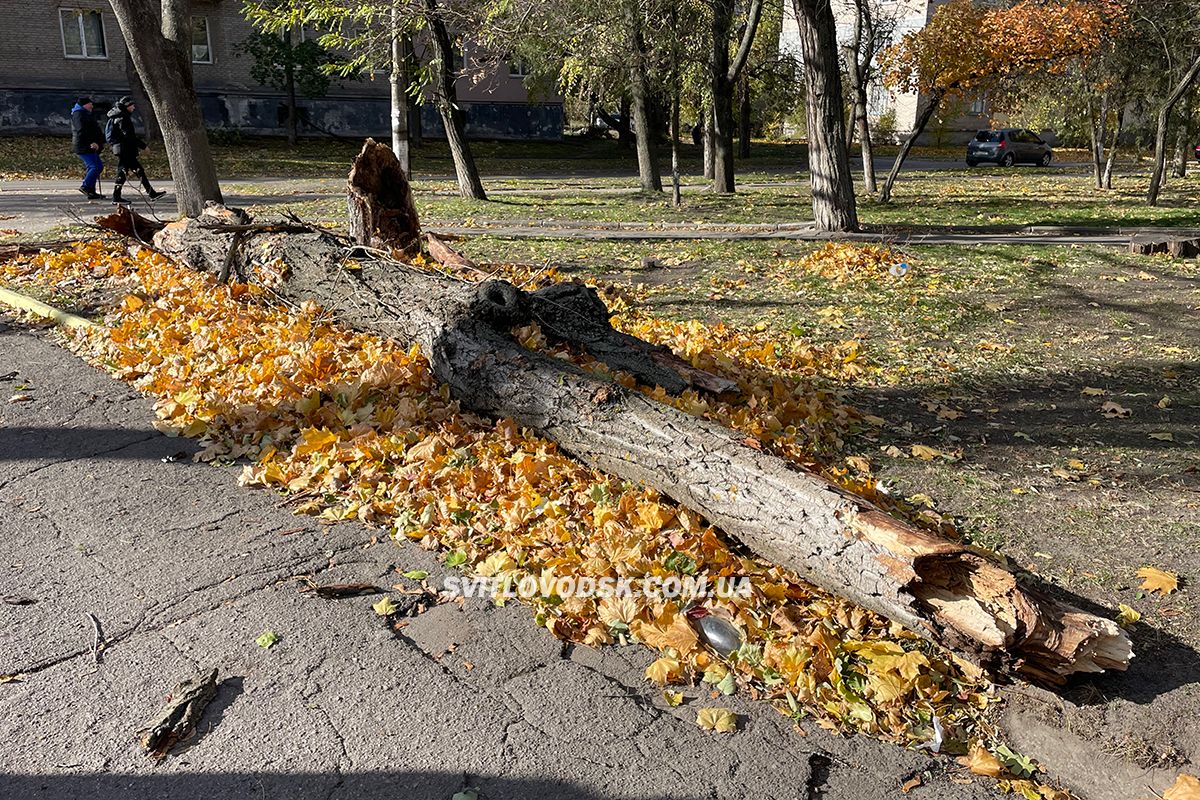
(52, 51)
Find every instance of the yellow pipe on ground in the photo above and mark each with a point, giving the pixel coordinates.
(59, 317)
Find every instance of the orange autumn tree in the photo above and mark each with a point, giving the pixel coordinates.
(967, 48)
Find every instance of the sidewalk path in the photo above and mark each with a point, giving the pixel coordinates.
(33, 206)
(184, 569)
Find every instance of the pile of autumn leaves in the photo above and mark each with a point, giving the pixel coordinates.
(353, 426)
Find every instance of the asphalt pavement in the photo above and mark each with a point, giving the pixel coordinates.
(102, 515)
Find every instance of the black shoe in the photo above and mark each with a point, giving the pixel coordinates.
(154, 194)
(117, 201)
(95, 196)
(85, 191)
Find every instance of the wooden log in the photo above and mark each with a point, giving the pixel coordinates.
(945, 591)
(450, 258)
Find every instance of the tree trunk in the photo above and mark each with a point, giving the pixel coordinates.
(1160, 136)
(1112, 148)
(445, 95)
(935, 99)
(676, 195)
(828, 158)
(723, 76)
(398, 86)
(1182, 139)
(744, 117)
(160, 44)
(145, 107)
(709, 148)
(941, 590)
(867, 146)
(647, 158)
(289, 79)
(722, 96)
(1099, 124)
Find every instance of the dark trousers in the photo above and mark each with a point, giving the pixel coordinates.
(94, 167)
(129, 165)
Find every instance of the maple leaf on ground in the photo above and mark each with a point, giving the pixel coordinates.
(1157, 580)
(721, 720)
(981, 762)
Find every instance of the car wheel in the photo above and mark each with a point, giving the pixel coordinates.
(971, 163)
(1046, 158)
(1008, 160)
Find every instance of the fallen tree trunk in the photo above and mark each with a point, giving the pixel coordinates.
(943, 590)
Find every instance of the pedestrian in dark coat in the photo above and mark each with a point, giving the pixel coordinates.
(126, 145)
(86, 142)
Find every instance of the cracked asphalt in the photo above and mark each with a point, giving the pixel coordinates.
(184, 569)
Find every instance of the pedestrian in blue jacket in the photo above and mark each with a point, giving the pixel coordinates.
(87, 141)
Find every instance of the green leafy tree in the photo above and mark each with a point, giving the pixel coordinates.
(290, 67)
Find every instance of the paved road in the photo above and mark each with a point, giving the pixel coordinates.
(184, 569)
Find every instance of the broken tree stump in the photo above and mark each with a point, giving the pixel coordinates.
(945, 591)
(379, 201)
(1155, 244)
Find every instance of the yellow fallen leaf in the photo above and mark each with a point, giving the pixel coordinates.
(981, 762)
(663, 670)
(1165, 402)
(925, 453)
(1162, 436)
(673, 698)
(1092, 391)
(1156, 580)
(1186, 787)
(1076, 464)
(721, 720)
(1128, 615)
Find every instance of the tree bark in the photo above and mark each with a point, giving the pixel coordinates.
(723, 76)
(942, 590)
(145, 107)
(445, 96)
(1098, 126)
(1112, 149)
(646, 145)
(398, 86)
(829, 160)
(709, 148)
(1183, 139)
(159, 42)
(935, 99)
(1160, 137)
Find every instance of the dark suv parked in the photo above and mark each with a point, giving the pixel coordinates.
(1007, 147)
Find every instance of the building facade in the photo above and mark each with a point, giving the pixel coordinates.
(52, 51)
(894, 114)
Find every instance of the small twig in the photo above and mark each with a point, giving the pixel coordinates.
(99, 643)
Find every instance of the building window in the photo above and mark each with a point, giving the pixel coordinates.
(518, 69)
(979, 105)
(201, 47)
(82, 33)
